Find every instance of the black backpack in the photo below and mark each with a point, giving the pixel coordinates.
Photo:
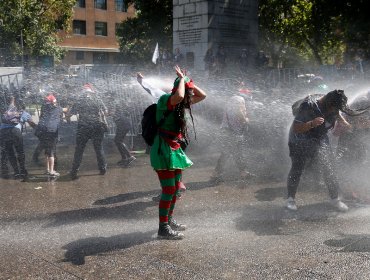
(297, 105)
(149, 125)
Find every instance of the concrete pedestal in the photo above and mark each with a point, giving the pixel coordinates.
(200, 25)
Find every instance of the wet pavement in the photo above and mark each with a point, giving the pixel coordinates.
(104, 227)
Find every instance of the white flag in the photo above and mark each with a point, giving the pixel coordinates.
(155, 54)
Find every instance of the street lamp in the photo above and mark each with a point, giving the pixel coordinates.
(22, 47)
(3, 44)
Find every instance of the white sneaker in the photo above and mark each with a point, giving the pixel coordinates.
(341, 206)
(290, 204)
(54, 174)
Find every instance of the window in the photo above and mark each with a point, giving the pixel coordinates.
(100, 58)
(80, 55)
(80, 4)
(101, 28)
(79, 27)
(101, 4)
(119, 30)
(120, 6)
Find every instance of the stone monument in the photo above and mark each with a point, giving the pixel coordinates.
(202, 25)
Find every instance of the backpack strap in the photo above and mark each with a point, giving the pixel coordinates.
(160, 123)
(164, 116)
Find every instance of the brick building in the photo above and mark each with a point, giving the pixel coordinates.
(93, 39)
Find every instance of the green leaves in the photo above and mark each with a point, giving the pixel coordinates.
(138, 36)
(312, 30)
(39, 21)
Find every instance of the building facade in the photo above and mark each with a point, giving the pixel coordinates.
(93, 38)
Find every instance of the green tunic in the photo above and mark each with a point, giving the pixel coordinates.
(162, 157)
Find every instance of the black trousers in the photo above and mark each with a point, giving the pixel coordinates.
(11, 142)
(84, 133)
(323, 156)
(123, 126)
(4, 162)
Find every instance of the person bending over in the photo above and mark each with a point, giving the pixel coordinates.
(315, 115)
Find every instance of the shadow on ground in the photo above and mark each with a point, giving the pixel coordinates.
(270, 194)
(125, 197)
(266, 220)
(351, 243)
(192, 186)
(78, 250)
(127, 211)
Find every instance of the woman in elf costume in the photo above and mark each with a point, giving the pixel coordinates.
(166, 155)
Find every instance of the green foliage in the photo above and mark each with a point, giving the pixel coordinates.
(315, 30)
(139, 35)
(38, 21)
(356, 26)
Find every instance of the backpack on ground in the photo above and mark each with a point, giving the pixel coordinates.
(149, 125)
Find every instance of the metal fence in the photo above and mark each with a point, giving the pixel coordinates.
(118, 83)
(119, 79)
(288, 76)
(11, 82)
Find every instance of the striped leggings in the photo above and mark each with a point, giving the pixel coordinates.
(170, 183)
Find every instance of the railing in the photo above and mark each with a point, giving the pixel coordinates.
(117, 83)
(288, 76)
(119, 80)
(13, 81)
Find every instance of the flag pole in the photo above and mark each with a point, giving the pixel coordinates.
(155, 54)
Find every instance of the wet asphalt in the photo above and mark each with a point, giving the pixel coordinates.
(104, 227)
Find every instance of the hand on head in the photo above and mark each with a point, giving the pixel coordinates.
(179, 72)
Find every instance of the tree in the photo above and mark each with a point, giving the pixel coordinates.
(316, 30)
(356, 26)
(34, 24)
(303, 27)
(151, 24)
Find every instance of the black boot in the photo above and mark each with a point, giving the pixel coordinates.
(176, 226)
(165, 232)
(103, 170)
(73, 174)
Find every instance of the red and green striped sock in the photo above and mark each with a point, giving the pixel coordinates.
(178, 175)
(167, 180)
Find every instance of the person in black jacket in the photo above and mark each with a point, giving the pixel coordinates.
(91, 125)
(308, 140)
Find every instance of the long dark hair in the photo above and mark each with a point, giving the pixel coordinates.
(338, 100)
(180, 116)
